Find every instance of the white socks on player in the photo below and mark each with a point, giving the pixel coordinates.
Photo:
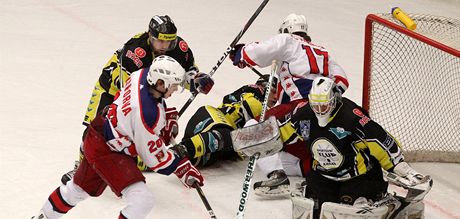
(139, 200)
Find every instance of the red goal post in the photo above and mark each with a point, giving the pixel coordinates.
(411, 83)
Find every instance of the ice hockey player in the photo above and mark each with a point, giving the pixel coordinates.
(300, 63)
(160, 39)
(132, 126)
(349, 151)
(207, 135)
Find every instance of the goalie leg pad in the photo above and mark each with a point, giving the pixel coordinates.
(411, 210)
(331, 210)
(302, 208)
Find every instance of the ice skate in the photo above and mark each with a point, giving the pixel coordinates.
(276, 186)
(69, 175)
(40, 215)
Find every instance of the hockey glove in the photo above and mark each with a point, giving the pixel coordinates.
(188, 174)
(236, 57)
(171, 129)
(341, 83)
(411, 176)
(202, 83)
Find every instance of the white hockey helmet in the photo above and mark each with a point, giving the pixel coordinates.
(323, 99)
(294, 23)
(167, 69)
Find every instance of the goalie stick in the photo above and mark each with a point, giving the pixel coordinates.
(252, 161)
(222, 58)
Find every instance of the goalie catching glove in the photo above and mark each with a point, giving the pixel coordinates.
(417, 184)
(410, 177)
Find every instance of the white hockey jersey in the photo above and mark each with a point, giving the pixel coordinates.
(134, 123)
(299, 61)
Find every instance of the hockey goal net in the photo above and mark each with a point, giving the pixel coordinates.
(412, 83)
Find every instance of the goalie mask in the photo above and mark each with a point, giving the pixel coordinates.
(167, 69)
(323, 99)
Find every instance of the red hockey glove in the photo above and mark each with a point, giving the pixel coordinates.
(235, 56)
(202, 83)
(171, 129)
(188, 174)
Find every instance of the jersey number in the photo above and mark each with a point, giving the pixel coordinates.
(153, 148)
(313, 54)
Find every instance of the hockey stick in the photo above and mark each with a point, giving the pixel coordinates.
(205, 200)
(255, 71)
(200, 191)
(222, 58)
(252, 161)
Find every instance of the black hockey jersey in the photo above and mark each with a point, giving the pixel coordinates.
(347, 145)
(136, 54)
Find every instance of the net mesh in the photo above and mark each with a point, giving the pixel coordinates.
(414, 88)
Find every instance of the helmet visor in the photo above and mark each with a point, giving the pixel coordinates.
(321, 104)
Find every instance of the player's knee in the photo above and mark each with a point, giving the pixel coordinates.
(72, 193)
(139, 200)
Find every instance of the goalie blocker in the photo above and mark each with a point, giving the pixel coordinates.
(262, 138)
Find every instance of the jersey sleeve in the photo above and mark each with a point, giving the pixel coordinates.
(297, 127)
(381, 144)
(151, 148)
(263, 53)
(338, 75)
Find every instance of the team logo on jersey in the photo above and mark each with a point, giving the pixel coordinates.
(304, 129)
(183, 46)
(389, 141)
(140, 52)
(137, 61)
(213, 144)
(339, 132)
(201, 125)
(364, 119)
(327, 155)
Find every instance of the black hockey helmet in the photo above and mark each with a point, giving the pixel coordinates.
(163, 28)
(263, 80)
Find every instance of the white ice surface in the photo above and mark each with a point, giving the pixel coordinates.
(52, 53)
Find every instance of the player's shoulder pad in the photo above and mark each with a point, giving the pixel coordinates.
(138, 39)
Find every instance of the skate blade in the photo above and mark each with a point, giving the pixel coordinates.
(278, 193)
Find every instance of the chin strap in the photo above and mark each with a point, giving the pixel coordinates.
(154, 87)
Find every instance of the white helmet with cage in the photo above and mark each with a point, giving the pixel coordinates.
(323, 99)
(294, 23)
(167, 69)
